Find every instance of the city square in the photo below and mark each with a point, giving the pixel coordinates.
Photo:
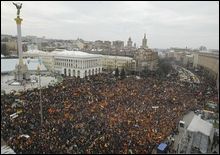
(155, 93)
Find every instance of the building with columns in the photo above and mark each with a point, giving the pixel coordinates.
(77, 63)
(69, 62)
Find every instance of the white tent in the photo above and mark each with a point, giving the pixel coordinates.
(5, 149)
(202, 133)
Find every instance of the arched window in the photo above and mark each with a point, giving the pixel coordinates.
(74, 74)
(78, 73)
(64, 71)
(69, 72)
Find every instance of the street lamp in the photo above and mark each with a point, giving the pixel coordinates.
(218, 88)
(41, 108)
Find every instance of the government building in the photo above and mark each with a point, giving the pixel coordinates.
(76, 63)
(69, 63)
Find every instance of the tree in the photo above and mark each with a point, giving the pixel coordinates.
(145, 72)
(4, 50)
(116, 72)
(164, 67)
(122, 73)
(24, 47)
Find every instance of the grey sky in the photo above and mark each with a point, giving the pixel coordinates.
(166, 24)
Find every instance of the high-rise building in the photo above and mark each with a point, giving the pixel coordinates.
(129, 43)
(144, 42)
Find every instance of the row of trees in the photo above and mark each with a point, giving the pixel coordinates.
(4, 50)
(164, 67)
(7, 50)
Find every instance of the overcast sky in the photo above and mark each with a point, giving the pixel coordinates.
(166, 24)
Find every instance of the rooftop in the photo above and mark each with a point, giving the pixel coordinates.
(200, 125)
(77, 54)
(120, 57)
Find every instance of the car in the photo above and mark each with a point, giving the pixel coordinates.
(182, 124)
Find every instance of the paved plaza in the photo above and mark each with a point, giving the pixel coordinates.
(6, 81)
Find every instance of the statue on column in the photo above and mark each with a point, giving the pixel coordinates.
(18, 6)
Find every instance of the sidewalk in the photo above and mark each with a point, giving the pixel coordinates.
(45, 80)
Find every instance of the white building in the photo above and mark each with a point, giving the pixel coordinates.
(76, 63)
(47, 58)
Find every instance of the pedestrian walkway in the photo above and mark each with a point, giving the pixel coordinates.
(6, 80)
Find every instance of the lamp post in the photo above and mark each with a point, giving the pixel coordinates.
(41, 108)
(218, 88)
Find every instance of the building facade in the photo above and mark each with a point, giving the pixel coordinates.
(129, 43)
(112, 62)
(107, 44)
(146, 59)
(209, 61)
(118, 45)
(197, 59)
(76, 63)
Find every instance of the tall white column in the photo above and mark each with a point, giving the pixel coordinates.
(83, 64)
(20, 54)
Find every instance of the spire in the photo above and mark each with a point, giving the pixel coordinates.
(144, 41)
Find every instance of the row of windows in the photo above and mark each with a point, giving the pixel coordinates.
(77, 63)
(69, 72)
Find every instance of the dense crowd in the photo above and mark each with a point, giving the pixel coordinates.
(100, 114)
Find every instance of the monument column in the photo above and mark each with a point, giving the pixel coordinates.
(18, 22)
(21, 69)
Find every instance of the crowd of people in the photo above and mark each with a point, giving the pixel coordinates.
(99, 114)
